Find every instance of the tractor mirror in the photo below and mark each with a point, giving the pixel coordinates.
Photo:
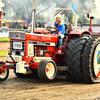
(92, 17)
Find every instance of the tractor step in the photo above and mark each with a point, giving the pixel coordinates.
(59, 53)
(62, 68)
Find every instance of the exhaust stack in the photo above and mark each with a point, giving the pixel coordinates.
(33, 18)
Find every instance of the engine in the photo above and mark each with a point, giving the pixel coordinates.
(41, 51)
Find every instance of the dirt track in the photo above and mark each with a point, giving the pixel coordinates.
(4, 46)
(34, 89)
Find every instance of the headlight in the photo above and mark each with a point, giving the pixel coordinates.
(22, 53)
(13, 52)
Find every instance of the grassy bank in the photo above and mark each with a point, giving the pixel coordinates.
(4, 53)
(4, 39)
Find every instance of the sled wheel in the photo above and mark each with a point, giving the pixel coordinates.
(4, 75)
(73, 57)
(21, 75)
(34, 74)
(91, 61)
(47, 70)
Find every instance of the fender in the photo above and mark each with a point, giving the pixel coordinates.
(76, 32)
(79, 32)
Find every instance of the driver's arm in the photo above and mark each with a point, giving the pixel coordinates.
(54, 26)
(59, 33)
(61, 30)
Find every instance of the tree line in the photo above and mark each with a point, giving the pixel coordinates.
(25, 7)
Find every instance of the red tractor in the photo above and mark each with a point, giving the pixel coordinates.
(37, 52)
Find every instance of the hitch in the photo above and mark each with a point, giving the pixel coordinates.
(12, 58)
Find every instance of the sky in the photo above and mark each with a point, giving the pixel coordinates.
(96, 12)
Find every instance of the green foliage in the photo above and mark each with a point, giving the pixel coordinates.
(4, 39)
(19, 6)
(83, 19)
(65, 19)
(82, 7)
(41, 17)
(4, 53)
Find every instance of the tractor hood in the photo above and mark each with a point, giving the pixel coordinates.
(33, 37)
(41, 37)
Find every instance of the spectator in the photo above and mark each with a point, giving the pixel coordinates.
(7, 25)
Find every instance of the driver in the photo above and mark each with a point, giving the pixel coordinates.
(61, 32)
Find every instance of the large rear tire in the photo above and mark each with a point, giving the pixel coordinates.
(91, 61)
(47, 70)
(73, 57)
(4, 75)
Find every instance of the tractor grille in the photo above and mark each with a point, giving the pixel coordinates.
(13, 35)
(18, 50)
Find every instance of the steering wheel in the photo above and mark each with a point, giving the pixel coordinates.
(50, 29)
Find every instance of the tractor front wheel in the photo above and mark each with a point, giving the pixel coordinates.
(47, 70)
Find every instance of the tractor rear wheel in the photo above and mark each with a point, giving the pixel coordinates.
(91, 61)
(4, 75)
(47, 70)
(73, 57)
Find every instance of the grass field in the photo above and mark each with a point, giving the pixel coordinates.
(4, 39)
(4, 53)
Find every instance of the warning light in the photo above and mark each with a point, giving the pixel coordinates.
(88, 15)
